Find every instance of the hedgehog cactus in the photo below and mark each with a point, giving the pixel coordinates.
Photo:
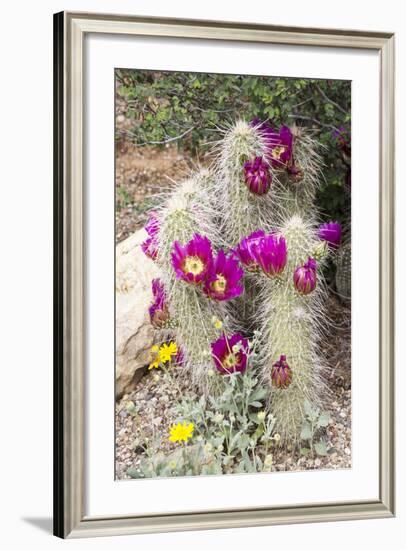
(254, 212)
(343, 273)
(295, 188)
(179, 220)
(291, 324)
(243, 182)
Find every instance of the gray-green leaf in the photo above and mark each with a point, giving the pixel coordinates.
(321, 448)
(306, 432)
(323, 420)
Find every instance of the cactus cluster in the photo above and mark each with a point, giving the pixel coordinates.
(239, 248)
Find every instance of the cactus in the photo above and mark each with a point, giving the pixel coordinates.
(240, 211)
(343, 273)
(179, 219)
(246, 191)
(291, 326)
(294, 194)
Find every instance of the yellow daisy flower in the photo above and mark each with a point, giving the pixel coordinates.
(156, 362)
(181, 431)
(167, 351)
(217, 323)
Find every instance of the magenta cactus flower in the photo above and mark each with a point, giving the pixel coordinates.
(280, 147)
(279, 143)
(230, 354)
(305, 277)
(150, 245)
(245, 250)
(257, 176)
(271, 254)
(223, 281)
(193, 262)
(330, 232)
(158, 310)
(281, 373)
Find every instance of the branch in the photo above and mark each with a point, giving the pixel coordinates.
(325, 96)
(163, 142)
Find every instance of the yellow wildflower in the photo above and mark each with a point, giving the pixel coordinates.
(156, 361)
(217, 323)
(167, 351)
(181, 431)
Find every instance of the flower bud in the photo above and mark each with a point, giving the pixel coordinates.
(281, 374)
(305, 277)
(257, 176)
(331, 233)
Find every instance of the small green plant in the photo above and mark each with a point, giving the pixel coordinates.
(315, 421)
(229, 432)
(124, 198)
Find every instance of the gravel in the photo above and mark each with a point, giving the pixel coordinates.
(150, 408)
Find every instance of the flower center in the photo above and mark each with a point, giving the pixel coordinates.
(230, 361)
(277, 152)
(193, 264)
(219, 285)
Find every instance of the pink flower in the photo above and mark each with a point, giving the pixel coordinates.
(230, 354)
(330, 232)
(281, 374)
(245, 250)
(305, 277)
(257, 176)
(193, 262)
(150, 245)
(223, 281)
(158, 310)
(271, 254)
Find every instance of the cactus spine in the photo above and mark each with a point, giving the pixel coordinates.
(242, 212)
(291, 325)
(222, 207)
(292, 196)
(180, 218)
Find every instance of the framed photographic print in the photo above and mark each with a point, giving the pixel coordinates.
(224, 294)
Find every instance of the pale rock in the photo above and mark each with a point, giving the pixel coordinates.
(134, 333)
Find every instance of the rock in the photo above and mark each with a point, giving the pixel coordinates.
(134, 333)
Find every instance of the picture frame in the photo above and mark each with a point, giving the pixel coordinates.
(70, 518)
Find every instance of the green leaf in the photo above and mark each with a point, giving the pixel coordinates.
(323, 420)
(243, 442)
(256, 404)
(259, 394)
(321, 448)
(135, 474)
(304, 451)
(306, 432)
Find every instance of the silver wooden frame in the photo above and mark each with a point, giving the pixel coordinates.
(69, 518)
